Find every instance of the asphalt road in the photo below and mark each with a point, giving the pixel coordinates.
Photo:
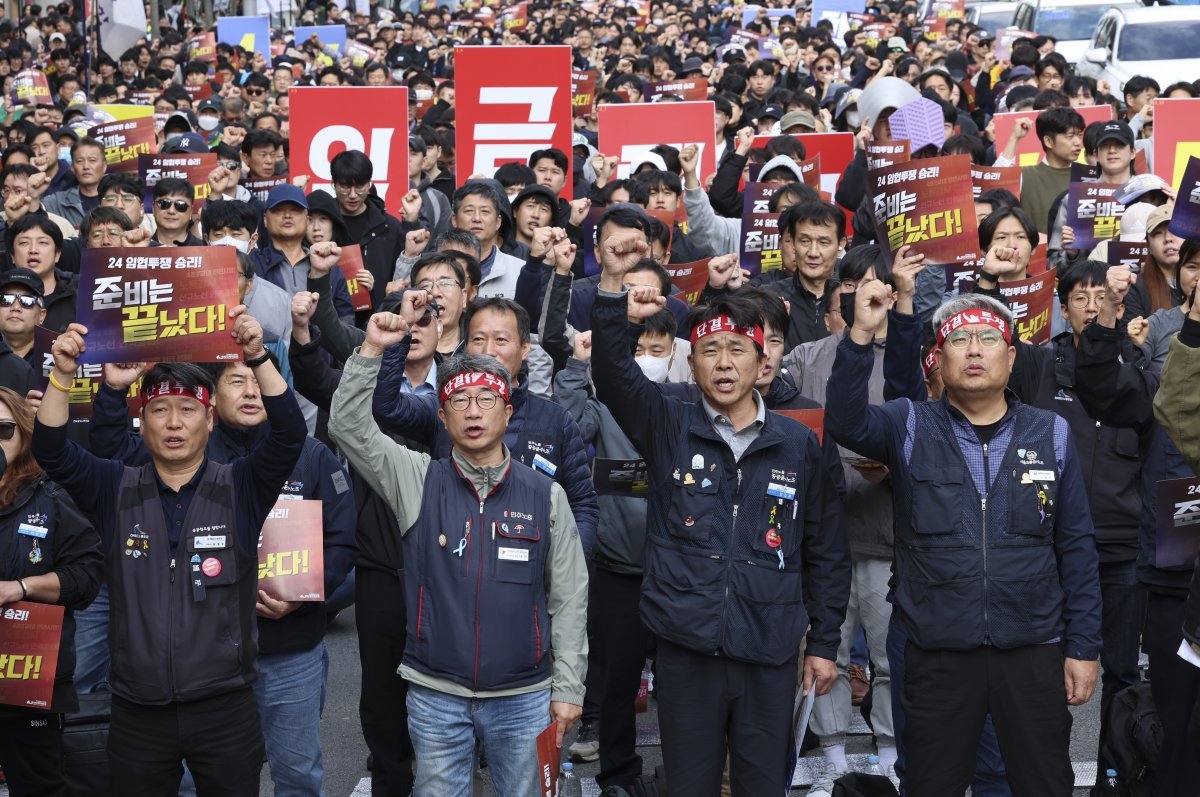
(346, 753)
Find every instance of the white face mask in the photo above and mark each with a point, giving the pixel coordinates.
(229, 240)
(655, 368)
(423, 93)
(853, 120)
(208, 122)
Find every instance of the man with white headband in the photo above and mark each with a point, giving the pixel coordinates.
(180, 535)
(495, 578)
(996, 581)
(745, 551)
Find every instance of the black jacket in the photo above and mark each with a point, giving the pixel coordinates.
(16, 373)
(381, 246)
(806, 320)
(60, 305)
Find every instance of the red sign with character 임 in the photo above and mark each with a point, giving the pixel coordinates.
(162, 304)
(510, 102)
(928, 205)
(124, 142)
(368, 120)
(29, 638)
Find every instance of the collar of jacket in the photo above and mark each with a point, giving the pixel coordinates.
(483, 480)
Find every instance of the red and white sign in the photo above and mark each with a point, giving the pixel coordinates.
(510, 102)
(631, 131)
(1029, 150)
(366, 120)
(1175, 137)
(836, 151)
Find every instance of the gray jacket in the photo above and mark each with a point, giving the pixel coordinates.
(621, 534)
(67, 204)
(868, 507)
(1164, 326)
(707, 229)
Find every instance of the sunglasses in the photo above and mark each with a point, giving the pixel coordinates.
(9, 299)
(7, 429)
(255, 92)
(181, 205)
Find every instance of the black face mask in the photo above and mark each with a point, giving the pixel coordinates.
(847, 305)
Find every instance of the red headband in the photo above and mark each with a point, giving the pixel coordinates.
(475, 379)
(930, 362)
(973, 316)
(172, 387)
(724, 323)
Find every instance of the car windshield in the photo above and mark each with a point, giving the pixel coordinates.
(1159, 41)
(995, 20)
(1066, 23)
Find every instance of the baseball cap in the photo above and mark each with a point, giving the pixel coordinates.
(956, 65)
(1158, 217)
(691, 65)
(183, 115)
(1116, 131)
(26, 278)
(211, 104)
(1138, 186)
(190, 143)
(417, 144)
(1020, 73)
(286, 193)
(797, 118)
(1133, 222)
(896, 43)
(771, 112)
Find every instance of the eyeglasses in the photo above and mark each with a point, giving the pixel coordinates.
(181, 205)
(824, 68)
(119, 199)
(484, 401)
(27, 301)
(111, 232)
(444, 282)
(255, 92)
(352, 190)
(1082, 300)
(961, 338)
(7, 429)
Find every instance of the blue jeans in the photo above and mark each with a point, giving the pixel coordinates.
(92, 658)
(991, 779)
(444, 729)
(290, 692)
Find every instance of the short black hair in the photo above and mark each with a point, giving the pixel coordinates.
(819, 213)
(623, 214)
(971, 146)
(259, 138)
(86, 141)
(987, 227)
(648, 265)
(430, 259)
(786, 145)
(351, 167)
(470, 265)
(190, 375)
(795, 192)
(1139, 83)
(861, 259)
(766, 67)
(122, 182)
(229, 214)
(998, 198)
(772, 308)
(510, 174)
(637, 192)
(172, 186)
(557, 155)
(29, 222)
(1088, 274)
(499, 304)
(103, 214)
(659, 180)
(1058, 121)
(663, 322)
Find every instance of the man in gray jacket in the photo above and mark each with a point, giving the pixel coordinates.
(495, 577)
(88, 165)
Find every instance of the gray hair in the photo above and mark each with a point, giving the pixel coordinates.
(971, 301)
(460, 237)
(462, 363)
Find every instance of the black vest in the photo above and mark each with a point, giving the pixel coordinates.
(182, 624)
(713, 581)
(973, 571)
(475, 584)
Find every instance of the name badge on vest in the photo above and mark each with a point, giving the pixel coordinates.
(211, 542)
(514, 555)
(1031, 476)
(781, 491)
(544, 465)
(32, 531)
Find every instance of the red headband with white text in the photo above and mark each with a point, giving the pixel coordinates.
(969, 318)
(173, 387)
(724, 323)
(475, 379)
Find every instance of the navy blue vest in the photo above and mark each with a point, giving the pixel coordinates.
(1161, 461)
(717, 529)
(475, 583)
(187, 631)
(972, 571)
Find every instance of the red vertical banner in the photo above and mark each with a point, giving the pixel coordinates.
(351, 264)
(547, 761)
(1031, 301)
(291, 554)
(1175, 137)
(368, 119)
(836, 151)
(29, 638)
(125, 141)
(631, 131)
(583, 92)
(510, 102)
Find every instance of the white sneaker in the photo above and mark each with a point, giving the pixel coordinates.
(891, 775)
(823, 786)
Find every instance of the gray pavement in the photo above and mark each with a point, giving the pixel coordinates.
(346, 753)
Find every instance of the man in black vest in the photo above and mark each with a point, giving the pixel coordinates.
(180, 535)
(495, 577)
(996, 580)
(745, 550)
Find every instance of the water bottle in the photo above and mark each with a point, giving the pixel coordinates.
(873, 765)
(1111, 780)
(568, 784)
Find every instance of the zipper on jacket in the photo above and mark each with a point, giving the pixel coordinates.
(487, 483)
(171, 605)
(729, 561)
(987, 483)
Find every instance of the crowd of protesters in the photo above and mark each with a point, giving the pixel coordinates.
(462, 436)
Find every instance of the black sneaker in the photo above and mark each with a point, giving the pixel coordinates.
(586, 746)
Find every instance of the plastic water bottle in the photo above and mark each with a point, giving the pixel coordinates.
(873, 765)
(568, 784)
(1111, 780)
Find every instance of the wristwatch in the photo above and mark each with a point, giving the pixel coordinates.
(984, 275)
(259, 360)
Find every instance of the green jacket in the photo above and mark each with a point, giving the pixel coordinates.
(1177, 402)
